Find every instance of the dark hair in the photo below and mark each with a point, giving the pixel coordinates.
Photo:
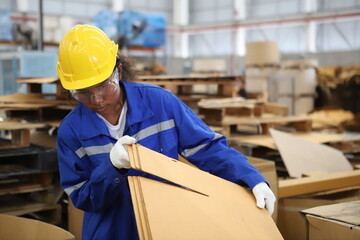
(128, 68)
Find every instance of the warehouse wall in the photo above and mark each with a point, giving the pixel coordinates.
(341, 58)
(332, 38)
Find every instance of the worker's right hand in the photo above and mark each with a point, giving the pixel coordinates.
(119, 156)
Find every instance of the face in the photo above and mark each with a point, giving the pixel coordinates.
(103, 98)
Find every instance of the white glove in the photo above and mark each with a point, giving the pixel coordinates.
(264, 197)
(119, 156)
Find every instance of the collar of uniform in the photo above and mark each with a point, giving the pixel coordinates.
(138, 111)
(91, 124)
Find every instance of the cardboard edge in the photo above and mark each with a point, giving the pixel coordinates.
(136, 206)
(331, 181)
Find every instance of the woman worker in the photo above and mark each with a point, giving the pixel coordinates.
(114, 112)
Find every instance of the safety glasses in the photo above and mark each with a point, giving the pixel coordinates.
(106, 88)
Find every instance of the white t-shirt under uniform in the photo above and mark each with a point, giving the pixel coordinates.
(117, 131)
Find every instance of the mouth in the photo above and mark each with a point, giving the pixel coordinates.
(100, 109)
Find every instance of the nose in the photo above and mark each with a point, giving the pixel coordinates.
(97, 98)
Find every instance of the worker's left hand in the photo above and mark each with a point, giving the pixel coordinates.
(264, 197)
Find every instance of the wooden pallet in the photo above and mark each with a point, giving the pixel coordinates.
(301, 124)
(34, 107)
(20, 133)
(215, 111)
(182, 85)
(34, 85)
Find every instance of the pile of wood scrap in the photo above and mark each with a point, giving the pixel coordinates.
(331, 76)
(330, 118)
(352, 124)
(338, 87)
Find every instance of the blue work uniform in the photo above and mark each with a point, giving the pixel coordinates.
(159, 121)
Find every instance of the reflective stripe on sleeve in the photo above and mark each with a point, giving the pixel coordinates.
(69, 190)
(191, 151)
(94, 150)
(159, 127)
(156, 128)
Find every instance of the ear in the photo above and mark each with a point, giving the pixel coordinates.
(120, 71)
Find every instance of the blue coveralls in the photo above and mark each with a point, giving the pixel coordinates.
(159, 121)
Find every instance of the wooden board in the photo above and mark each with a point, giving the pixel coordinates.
(228, 102)
(318, 183)
(28, 98)
(199, 206)
(194, 77)
(301, 156)
(38, 80)
(13, 125)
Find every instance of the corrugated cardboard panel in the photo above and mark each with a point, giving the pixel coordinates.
(301, 156)
(199, 206)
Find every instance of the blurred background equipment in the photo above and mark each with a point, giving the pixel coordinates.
(132, 28)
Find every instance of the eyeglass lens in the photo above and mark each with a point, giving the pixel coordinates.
(106, 88)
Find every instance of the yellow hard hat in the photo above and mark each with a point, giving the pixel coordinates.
(86, 57)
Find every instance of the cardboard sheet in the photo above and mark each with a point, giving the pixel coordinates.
(301, 156)
(316, 137)
(199, 206)
(12, 227)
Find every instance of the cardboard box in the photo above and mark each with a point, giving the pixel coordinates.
(12, 227)
(75, 220)
(262, 53)
(292, 224)
(334, 222)
(194, 204)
